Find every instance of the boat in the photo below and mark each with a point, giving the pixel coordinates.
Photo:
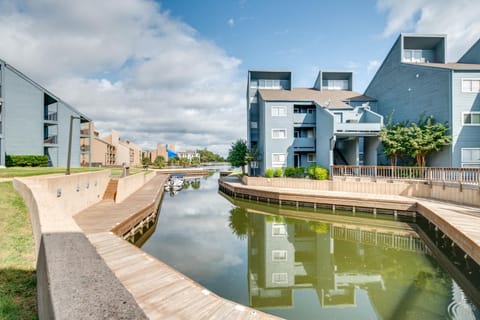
(175, 182)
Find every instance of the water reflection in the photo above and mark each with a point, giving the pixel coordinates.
(324, 266)
(357, 270)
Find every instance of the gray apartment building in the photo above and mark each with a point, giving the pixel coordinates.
(33, 121)
(415, 78)
(327, 124)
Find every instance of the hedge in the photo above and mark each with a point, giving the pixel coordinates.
(26, 161)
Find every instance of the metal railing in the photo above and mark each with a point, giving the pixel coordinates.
(429, 174)
(51, 116)
(50, 140)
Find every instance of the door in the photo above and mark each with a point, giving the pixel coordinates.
(296, 160)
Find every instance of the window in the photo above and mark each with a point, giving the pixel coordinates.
(279, 229)
(254, 164)
(335, 84)
(279, 160)
(471, 157)
(279, 133)
(254, 125)
(279, 255)
(311, 157)
(471, 118)
(471, 85)
(279, 111)
(280, 278)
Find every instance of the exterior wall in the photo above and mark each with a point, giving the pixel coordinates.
(64, 114)
(407, 90)
(324, 137)
(472, 55)
(123, 155)
(463, 136)
(22, 115)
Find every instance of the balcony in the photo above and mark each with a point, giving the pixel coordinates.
(85, 133)
(355, 128)
(305, 144)
(84, 148)
(51, 117)
(304, 118)
(50, 140)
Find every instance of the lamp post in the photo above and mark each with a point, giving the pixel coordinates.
(70, 144)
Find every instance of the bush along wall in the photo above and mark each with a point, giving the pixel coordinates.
(317, 172)
(26, 161)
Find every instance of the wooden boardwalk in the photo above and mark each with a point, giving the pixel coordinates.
(161, 291)
(460, 223)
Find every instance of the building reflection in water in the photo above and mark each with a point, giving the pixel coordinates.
(341, 261)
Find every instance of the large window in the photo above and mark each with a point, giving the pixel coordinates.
(471, 157)
(335, 84)
(279, 255)
(279, 160)
(471, 118)
(279, 229)
(279, 133)
(311, 157)
(279, 111)
(471, 85)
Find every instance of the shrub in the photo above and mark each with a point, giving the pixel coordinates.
(269, 173)
(317, 172)
(278, 172)
(300, 172)
(26, 161)
(290, 172)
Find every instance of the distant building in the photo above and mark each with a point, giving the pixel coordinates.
(325, 125)
(102, 153)
(33, 121)
(415, 78)
(164, 150)
(189, 155)
(127, 152)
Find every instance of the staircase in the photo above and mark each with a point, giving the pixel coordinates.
(111, 190)
(338, 158)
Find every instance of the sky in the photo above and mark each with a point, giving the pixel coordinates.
(174, 71)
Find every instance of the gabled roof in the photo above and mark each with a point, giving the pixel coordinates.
(330, 98)
(450, 66)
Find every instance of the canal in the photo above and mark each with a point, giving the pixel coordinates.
(333, 266)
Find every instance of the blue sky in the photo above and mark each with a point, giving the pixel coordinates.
(300, 36)
(174, 71)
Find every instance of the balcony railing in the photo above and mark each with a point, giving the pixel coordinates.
(304, 143)
(429, 174)
(85, 132)
(357, 127)
(304, 118)
(51, 116)
(50, 140)
(84, 148)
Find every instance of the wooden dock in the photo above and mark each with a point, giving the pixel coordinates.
(161, 291)
(460, 223)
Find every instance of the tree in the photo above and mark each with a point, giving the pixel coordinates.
(394, 139)
(159, 162)
(146, 161)
(427, 136)
(209, 156)
(237, 155)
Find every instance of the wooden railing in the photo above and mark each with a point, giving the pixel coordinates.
(430, 174)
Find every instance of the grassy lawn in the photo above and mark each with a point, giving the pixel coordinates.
(36, 171)
(17, 270)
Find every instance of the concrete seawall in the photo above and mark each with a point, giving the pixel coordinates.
(73, 281)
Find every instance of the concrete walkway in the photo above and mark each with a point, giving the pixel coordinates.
(159, 290)
(460, 223)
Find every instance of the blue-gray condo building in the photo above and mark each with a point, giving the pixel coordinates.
(33, 121)
(415, 78)
(326, 124)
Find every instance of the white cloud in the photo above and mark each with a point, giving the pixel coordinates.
(131, 67)
(458, 19)
(231, 22)
(373, 65)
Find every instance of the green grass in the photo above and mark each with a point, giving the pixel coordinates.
(17, 270)
(36, 171)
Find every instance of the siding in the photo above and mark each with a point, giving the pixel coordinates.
(463, 136)
(22, 115)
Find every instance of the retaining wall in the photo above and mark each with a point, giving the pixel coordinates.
(465, 194)
(130, 184)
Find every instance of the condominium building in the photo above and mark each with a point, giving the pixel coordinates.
(101, 153)
(415, 78)
(127, 152)
(327, 124)
(33, 121)
(188, 154)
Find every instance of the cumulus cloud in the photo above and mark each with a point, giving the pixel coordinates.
(129, 66)
(458, 19)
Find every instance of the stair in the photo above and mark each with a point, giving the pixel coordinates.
(111, 190)
(338, 158)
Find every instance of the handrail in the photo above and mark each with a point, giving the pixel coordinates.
(430, 174)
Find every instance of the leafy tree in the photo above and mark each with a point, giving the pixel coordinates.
(184, 162)
(239, 222)
(195, 161)
(394, 139)
(427, 136)
(146, 161)
(209, 156)
(159, 162)
(237, 154)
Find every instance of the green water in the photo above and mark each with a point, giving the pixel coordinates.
(326, 266)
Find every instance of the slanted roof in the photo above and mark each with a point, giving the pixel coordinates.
(330, 98)
(450, 66)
